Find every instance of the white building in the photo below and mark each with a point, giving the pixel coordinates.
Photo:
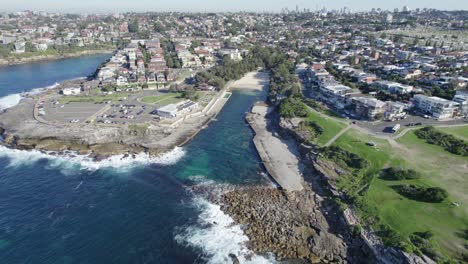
(233, 54)
(20, 47)
(439, 108)
(175, 110)
(461, 97)
(71, 91)
(393, 87)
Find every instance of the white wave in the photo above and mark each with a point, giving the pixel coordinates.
(14, 99)
(9, 101)
(36, 91)
(69, 160)
(217, 235)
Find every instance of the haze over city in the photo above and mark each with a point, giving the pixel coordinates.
(99, 6)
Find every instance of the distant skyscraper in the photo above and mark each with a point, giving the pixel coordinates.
(406, 9)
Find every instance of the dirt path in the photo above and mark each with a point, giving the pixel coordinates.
(337, 136)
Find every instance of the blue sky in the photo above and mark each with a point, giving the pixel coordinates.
(90, 6)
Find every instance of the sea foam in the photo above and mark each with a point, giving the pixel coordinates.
(14, 99)
(83, 162)
(218, 236)
(9, 101)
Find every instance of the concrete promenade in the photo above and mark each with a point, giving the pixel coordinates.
(277, 155)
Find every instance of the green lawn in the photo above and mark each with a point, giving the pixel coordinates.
(163, 99)
(460, 132)
(383, 205)
(115, 97)
(330, 126)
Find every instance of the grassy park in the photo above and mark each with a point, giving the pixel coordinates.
(94, 98)
(163, 99)
(330, 126)
(460, 132)
(380, 205)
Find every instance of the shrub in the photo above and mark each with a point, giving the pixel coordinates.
(356, 230)
(448, 142)
(390, 237)
(398, 174)
(292, 107)
(420, 193)
(344, 158)
(309, 130)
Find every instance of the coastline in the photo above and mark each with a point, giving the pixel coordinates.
(100, 141)
(39, 58)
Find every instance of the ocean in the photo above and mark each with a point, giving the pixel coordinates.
(74, 210)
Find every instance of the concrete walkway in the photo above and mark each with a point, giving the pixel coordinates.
(277, 156)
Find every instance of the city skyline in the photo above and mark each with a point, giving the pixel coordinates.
(101, 6)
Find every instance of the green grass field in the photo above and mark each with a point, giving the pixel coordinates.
(460, 132)
(383, 205)
(163, 99)
(115, 97)
(330, 126)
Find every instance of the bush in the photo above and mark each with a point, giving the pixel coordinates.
(190, 94)
(344, 158)
(420, 193)
(398, 174)
(292, 107)
(356, 230)
(448, 142)
(390, 237)
(309, 130)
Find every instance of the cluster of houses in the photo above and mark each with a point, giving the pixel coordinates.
(351, 101)
(140, 62)
(40, 31)
(364, 106)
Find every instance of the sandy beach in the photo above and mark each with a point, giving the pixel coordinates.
(252, 81)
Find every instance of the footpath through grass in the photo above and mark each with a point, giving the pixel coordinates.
(381, 206)
(329, 124)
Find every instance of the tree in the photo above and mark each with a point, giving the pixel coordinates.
(190, 94)
(159, 27)
(133, 26)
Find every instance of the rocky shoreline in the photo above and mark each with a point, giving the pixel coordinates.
(20, 130)
(15, 61)
(288, 224)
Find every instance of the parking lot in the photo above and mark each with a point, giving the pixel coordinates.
(69, 112)
(409, 121)
(130, 110)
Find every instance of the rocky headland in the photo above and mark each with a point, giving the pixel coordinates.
(22, 60)
(20, 130)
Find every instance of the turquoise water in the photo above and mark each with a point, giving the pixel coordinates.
(55, 210)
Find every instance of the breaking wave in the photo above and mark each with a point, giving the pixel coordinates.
(9, 101)
(84, 162)
(14, 99)
(218, 236)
